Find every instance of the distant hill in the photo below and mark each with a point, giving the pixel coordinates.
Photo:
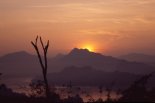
(138, 57)
(19, 63)
(18, 68)
(87, 76)
(25, 63)
(16, 56)
(83, 57)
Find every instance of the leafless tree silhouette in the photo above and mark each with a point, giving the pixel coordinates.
(43, 61)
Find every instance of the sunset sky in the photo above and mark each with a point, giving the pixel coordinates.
(111, 27)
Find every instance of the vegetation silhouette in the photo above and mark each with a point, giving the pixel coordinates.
(37, 89)
(8, 96)
(138, 92)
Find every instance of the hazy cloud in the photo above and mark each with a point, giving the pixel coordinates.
(67, 22)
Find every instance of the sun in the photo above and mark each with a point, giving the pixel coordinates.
(88, 47)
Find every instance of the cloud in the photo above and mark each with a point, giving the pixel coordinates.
(102, 35)
(97, 20)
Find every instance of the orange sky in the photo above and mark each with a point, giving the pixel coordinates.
(114, 27)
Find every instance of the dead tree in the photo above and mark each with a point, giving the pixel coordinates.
(43, 61)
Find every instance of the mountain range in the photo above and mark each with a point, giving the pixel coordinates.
(83, 57)
(22, 64)
(139, 57)
(90, 77)
(87, 76)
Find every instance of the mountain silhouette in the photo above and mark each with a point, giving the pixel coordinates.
(18, 66)
(87, 76)
(83, 57)
(17, 57)
(22, 64)
(19, 62)
(139, 57)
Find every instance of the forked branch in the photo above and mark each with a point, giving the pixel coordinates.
(43, 62)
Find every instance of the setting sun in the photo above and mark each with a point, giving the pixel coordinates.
(89, 47)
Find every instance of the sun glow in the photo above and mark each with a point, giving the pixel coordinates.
(88, 47)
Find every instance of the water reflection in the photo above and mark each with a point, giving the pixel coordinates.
(87, 93)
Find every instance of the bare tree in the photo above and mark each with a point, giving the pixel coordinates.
(43, 61)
